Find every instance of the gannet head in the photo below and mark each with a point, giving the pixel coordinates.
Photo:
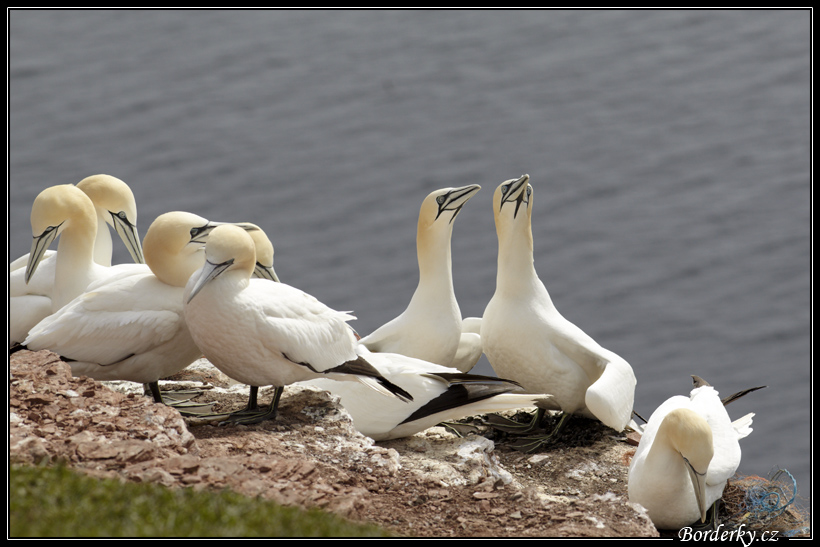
(512, 209)
(55, 209)
(690, 435)
(170, 249)
(200, 233)
(117, 200)
(264, 252)
(445, 204)
(264, 248)
(229, 247)
(512, 194)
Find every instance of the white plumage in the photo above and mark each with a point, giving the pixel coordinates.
(262, 333)
(130, 326)
(115, 206)
(688, 450)
(439, 394)
(526, 339)
(50, 280)
(431, 327)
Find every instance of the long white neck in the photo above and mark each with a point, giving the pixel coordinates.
(75, 265)
(516, 268)
(435, 268)
(103, 245)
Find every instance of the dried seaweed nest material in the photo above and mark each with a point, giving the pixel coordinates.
(766, 504)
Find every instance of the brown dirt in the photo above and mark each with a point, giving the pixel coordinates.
(434, 484)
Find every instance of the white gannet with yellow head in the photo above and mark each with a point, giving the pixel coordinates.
(688, 450)
(131, 327)
(261, 333)
(34, 291)
(115, 206)
(431, 327)
(527, 340)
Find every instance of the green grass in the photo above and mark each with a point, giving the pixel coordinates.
(57, 502)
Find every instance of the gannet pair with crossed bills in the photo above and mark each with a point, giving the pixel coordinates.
(688, 450)
(527, 340)
(130, 326)
(43, 281)
(431, 328)
(428, 348)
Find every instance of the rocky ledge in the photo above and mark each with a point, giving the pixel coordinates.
(434, 484)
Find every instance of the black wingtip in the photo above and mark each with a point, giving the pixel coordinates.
(462, 390)
(395, 390)
(361, 367)
(739, 394)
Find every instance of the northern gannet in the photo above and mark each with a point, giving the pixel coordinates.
(131, 327)
(688, 450)
(527, 340)
(439, 394)
(263, 270)
(431, 328)
(261, 333)
(44, 286)
(115, 206)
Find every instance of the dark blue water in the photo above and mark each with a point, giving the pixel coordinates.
(669, 152)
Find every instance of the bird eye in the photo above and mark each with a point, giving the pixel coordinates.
(529, 190)
(505, 188)
(440, 200)
(122, 215)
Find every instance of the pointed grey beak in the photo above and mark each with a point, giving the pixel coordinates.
(206, 274)
(128, 234)
(455, 199)
(265, 272)
(699, 484)
(39, 246)
(200, 235)
(516, 191)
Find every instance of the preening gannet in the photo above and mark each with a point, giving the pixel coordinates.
(430, 328)
(44, 286)
(688, 450)
(262, 333)
(439, 394)
(131, 327)
(526, 339)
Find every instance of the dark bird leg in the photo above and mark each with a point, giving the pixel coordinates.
(180, 400)
(253, 413)
(531, 444)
